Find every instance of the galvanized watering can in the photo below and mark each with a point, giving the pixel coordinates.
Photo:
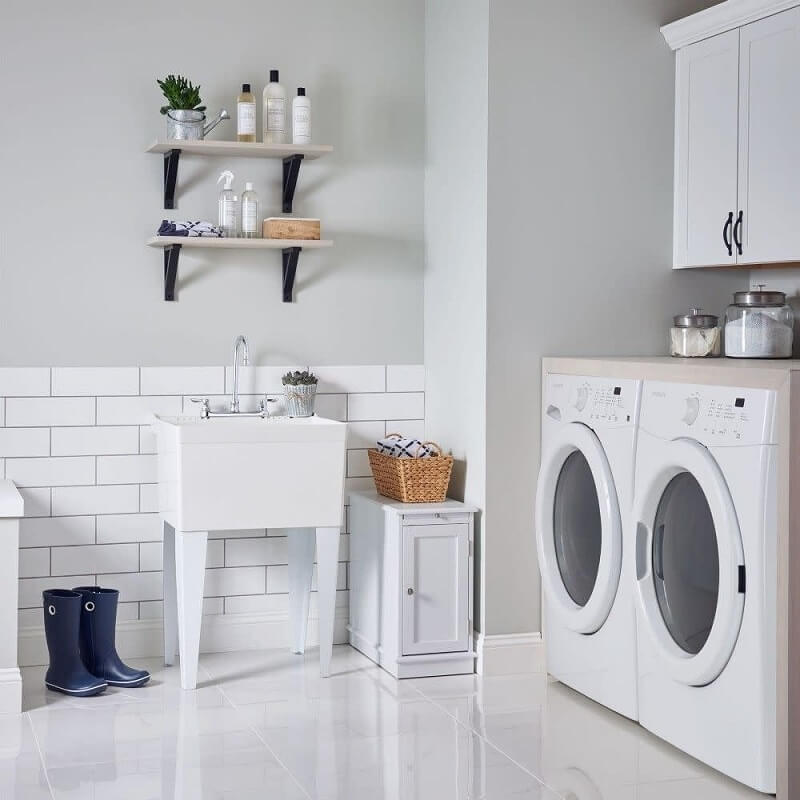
(189, 124)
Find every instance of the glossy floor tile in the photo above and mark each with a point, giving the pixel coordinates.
(263, 724)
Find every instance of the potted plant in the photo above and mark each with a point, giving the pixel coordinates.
(185, 111)
(301, 390)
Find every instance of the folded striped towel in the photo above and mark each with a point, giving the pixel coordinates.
(172, 228)
(401, 447)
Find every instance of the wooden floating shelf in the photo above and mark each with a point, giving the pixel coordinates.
(292, 155)
(290, 250)
(208, 147)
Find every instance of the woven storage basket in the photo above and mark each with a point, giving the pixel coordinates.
(412, 480)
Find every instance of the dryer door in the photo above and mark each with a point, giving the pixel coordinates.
(578, 529)
(689, 561)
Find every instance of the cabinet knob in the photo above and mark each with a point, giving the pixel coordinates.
(410, 590)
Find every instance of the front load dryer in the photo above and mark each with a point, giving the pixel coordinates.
(705, 527)
(583, 504)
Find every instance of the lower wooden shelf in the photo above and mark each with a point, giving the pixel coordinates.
(290, 250)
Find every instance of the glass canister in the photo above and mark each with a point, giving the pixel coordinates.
(759, 324)
(695, 335)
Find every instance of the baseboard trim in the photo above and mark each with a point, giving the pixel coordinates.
(509, 653)
(220, 633)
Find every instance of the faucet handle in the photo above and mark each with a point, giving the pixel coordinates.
(263, 403)
(205, 409)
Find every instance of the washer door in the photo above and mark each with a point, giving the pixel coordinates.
(578, 529)
(689, 562)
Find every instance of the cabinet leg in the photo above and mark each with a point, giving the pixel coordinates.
(190, 563)
(170, 595)
(301, 565)
(327, 569)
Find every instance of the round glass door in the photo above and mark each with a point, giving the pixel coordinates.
(686, 562)
(577, 528)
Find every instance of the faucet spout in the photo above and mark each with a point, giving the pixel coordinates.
(240, 342)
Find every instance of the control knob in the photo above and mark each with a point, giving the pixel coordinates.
(581, 397)
(692, 410)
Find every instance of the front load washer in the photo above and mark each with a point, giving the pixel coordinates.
(583, 504)
(706, 529)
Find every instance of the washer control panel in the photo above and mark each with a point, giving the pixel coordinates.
(597, 402)
(714, 415)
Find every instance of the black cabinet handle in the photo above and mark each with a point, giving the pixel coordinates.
(726, 233)
(737, 232)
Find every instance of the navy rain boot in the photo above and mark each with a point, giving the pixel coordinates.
(98, 648)
(62, 619)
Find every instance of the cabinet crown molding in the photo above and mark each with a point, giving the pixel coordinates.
(720, 18)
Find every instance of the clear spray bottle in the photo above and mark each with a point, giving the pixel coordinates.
(227, 205)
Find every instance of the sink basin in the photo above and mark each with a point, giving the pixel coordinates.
(229, 473)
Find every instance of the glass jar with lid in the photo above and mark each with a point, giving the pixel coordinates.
(695, 335)
(759, 324)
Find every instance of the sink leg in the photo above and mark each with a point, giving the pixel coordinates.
(170, 596)
(301, 565)
(327, 569)
(190, 564)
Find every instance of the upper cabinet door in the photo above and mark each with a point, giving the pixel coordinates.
(706, 151)
(769, 134)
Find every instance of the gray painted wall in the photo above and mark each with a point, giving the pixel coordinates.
(456, 53)
(581, 114)
(79, 196)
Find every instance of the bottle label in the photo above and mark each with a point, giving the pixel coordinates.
(302, 124)
(246, 118)
(228, 220)
(249, 217)
(276, 113)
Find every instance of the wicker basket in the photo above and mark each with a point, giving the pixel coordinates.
(412, 480)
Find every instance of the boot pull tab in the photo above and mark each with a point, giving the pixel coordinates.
(89, 605)
(51, 610)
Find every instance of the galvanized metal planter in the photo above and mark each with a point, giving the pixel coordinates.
(300, 399)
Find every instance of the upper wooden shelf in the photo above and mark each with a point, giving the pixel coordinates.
(209, 147)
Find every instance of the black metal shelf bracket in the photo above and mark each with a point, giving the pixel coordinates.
(290, 256)
(171, 255)
(291, 169)
(170, 176)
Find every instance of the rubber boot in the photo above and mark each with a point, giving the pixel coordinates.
(97, 640)
(62, 619)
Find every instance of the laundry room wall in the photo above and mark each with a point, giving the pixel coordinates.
(579, 236)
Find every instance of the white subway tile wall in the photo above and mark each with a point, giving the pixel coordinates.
(77, 442)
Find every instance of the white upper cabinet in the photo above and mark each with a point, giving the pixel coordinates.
(707, 113)
(769, 139)
(737, 135)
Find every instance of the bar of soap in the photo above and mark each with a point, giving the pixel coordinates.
(290, 228)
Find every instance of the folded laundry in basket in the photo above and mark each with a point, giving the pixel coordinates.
(400, 447)
(172, 228)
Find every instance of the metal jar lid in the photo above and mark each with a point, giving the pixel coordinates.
(759, 297)
(696, 319)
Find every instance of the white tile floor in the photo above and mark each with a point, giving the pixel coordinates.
(264, 725)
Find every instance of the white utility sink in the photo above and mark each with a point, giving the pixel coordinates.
(228, 472)
(236, 473)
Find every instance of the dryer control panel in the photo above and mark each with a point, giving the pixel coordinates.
(597, 402)
(714, 415)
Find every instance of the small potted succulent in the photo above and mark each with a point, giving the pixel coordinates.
(301, 390)
(185, 112)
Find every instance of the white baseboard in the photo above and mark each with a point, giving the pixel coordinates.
(509, 654)
(220, 633)
(10, 692)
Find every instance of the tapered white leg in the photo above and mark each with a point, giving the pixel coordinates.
(170, 596)
(190, 568)
(327, 569)
(301, 565)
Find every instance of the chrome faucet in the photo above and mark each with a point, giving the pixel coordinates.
(240, 341)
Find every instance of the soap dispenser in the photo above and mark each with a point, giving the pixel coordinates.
(227, 205)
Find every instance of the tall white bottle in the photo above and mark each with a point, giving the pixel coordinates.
(226, 214)
(250, 213)
(301, 118)
(274, 116)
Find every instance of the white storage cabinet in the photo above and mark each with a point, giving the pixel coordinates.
(737, 135)
(411, 585)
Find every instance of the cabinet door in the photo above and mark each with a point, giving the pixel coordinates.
(435, 588)
(706, 151)
(769, 139)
